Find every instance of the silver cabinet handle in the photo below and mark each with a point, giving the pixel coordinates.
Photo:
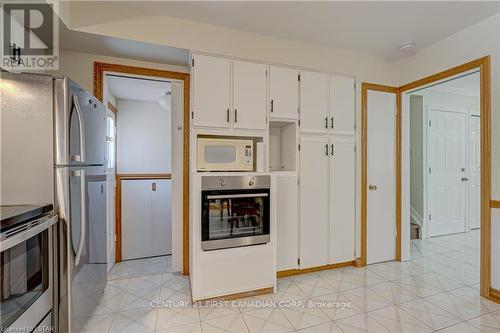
(465, 179)
(272, 105)
(227, 116)
(331, 123)
(326, 122)
(235, 115)
(83, 212)
(326, 149)
(333, 149)
(372, 187)
(153, 187)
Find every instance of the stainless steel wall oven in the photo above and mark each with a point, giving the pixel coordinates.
(235, 211)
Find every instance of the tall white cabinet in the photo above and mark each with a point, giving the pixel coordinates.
(327, 169)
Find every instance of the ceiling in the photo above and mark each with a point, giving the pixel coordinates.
(137, 89)
(76, 41)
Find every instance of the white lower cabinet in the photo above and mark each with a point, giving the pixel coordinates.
(314, 201)
(146, 218)
(287, 222)
(342, 201)
(327, 200)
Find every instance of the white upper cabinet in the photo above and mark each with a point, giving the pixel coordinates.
(249, 82)
(314, 201)
(211, 91)
(314, 108)
(283, 92)
(342, 200)
(342, 92)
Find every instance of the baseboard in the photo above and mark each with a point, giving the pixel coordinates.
(494, 295)
(232, 297)
(290, 272)
(416, 216)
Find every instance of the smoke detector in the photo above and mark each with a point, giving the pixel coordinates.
(408, 48)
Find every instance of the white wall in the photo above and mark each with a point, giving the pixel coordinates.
(143, 137)
(474, 42)
(416, 155)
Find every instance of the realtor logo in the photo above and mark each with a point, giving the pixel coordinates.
(30, 34)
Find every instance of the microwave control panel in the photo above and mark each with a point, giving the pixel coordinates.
(248, 154)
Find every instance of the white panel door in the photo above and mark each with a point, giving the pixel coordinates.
(211, 91)
(446, 179)
(314, 100)
(136, 219)
(475, 172)
(314, 201)
(249, 82)
(342, 200)
(381, 208)
(97, 222)
(288, 223)
(343, 110)
(161, 217)
(283, 92)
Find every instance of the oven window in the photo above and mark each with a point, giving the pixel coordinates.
(230, 215)
(24, 277)
(220, 154)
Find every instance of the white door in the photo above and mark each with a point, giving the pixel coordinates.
(211, 91)
(475, 172)
(381, 181)
(161, 217)
(446, 166)
(314, 110)
(343, 112)
(342, 200)
(283, 92)
(249, 82)
(287, 223)
(314, 201)
(136, 219)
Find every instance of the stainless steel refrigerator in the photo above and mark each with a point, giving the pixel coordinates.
(80, 178)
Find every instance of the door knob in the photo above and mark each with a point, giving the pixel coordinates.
(372, 187)
(465, 179)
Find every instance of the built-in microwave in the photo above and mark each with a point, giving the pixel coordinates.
(225, 154)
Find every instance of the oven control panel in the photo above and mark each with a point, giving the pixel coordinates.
(235, 182)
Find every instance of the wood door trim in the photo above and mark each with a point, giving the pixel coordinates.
(495, 204)
(365, 87)
(112, 107)
(99, 69)
(494, 295)
(133, 176)
(298, 271)
(484, 66)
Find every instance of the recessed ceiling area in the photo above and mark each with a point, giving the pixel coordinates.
(72, 40)
(137, 89)
(377, 28)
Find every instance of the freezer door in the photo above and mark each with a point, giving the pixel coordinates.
(80, 126)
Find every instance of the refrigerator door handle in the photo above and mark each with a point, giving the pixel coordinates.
(79, 114)
(83, 210)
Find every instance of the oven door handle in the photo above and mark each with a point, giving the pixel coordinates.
(23, 236)
(230, 196)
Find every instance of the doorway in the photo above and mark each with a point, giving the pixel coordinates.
(402, 172)
(160, 180)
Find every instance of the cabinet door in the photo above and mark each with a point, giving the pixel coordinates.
(288, 223)
(314, 200)
(342, 103)
(342, 196)
(249, 84)
(136, 219)
(161, 217)
(283, 92)
(314, 108)
(211, 91)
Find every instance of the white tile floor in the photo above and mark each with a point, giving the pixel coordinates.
(436, 291)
